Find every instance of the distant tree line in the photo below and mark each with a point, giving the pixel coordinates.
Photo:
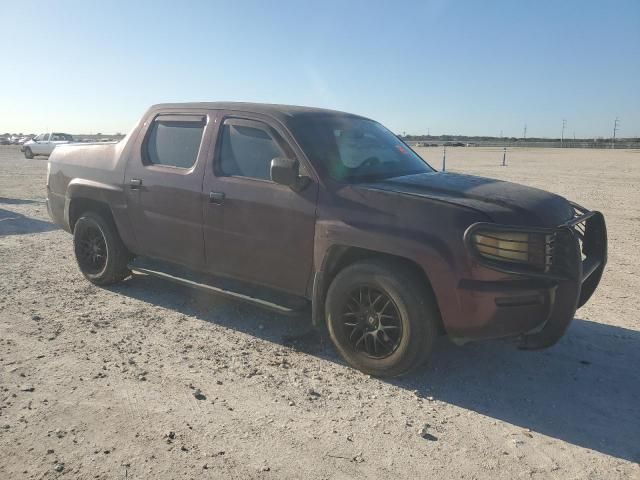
(467, 138)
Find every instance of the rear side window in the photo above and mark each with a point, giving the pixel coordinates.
(174, 142)
(61, 137)
(247, 151)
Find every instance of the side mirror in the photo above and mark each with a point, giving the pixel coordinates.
(286, 171)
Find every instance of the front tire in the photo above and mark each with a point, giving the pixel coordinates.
(28, 153)
(381, 317)
(99, 251)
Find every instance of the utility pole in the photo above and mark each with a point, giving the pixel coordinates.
(615, 129)
(564, 124)
(444, 158)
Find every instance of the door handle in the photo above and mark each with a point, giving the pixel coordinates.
(135, 183)
(216, 197)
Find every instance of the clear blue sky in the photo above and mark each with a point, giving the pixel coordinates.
(469, 67)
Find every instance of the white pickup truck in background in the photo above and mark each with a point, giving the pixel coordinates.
(44, 143)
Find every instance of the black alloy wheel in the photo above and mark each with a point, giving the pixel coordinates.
(382, 316)
(372, 322)
(91, 250)
(102, 257)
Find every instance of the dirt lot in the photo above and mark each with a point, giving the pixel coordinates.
(149, 380)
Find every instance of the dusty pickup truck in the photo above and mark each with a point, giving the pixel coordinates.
(295, 208)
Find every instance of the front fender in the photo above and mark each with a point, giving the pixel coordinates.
(428, 251)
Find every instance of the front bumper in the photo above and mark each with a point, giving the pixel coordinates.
(538, 306)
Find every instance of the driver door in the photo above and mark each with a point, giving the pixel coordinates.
(255, 229)
(40, 145)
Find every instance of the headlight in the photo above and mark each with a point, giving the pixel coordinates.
(533, 249)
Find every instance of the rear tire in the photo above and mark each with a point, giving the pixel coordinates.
(390, 308)
(28, 153)
(99, 251)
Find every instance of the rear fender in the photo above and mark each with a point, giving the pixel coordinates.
(111, 196)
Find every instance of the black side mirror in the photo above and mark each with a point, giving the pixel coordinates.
(286, 171)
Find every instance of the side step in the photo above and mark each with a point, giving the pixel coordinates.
(266, 298)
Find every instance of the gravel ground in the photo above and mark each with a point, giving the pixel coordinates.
(149, 380)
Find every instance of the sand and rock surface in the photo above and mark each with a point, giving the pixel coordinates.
(149, 380)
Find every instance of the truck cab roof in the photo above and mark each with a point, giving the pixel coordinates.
(280, 112)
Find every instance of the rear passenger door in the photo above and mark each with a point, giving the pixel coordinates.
(57, 139)
(163, 186)
(267, 229)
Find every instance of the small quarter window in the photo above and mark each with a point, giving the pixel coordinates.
(174, 142)
(247, 151)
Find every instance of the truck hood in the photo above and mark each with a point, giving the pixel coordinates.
(504, 202)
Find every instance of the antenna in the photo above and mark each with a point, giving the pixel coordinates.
(615, 129)
(564, 124)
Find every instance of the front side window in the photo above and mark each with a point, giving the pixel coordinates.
(247, 150)
(352, 149)
(174, 142)
(45, 138)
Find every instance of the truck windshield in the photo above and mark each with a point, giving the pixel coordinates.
(351, 149)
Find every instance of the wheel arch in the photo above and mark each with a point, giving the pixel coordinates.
(79, 205)
(339, 257)
(82, 195)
